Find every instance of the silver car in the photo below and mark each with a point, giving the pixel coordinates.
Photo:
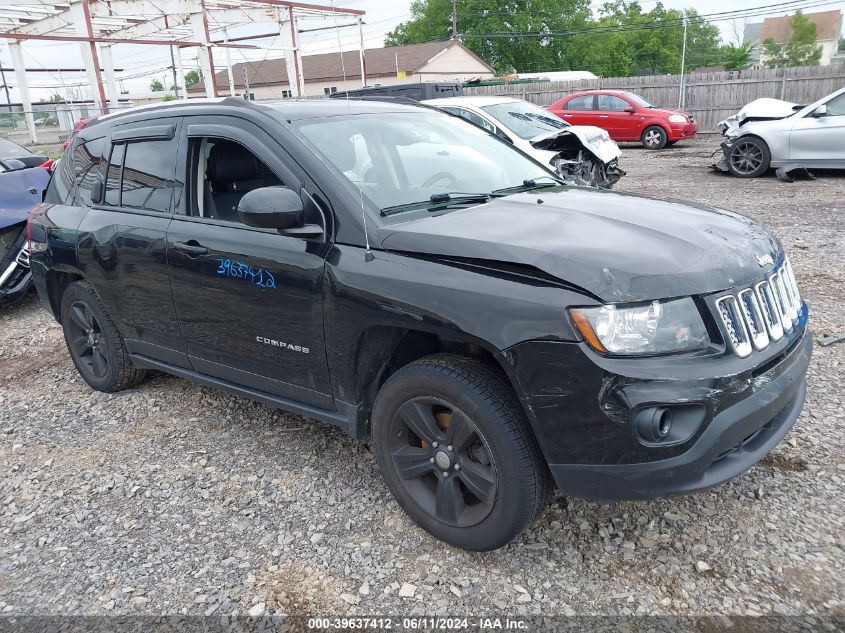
(769, 133)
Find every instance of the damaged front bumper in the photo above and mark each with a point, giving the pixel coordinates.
(585, 410)
(15, 274)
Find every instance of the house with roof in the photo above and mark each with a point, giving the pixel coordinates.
(324, 73)
(828, 32)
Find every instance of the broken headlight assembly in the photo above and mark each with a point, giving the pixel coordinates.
(656, 327)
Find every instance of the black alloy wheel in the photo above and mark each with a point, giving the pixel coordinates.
(749, 157)
(95, 345)
(456, 450)
(86, 341)
(443, 461)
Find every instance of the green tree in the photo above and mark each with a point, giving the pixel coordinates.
(192, 77)
(799, 50)
(56, 98)
(496, 32)
(156, 86)
(563, 35)
(734, 57)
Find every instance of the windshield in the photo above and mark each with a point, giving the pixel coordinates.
(405, 158)
(639, 100)
(524, 119)
(8, 149)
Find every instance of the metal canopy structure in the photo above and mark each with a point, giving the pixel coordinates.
(97, 25)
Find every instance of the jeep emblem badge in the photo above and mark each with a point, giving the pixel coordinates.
(765, 260)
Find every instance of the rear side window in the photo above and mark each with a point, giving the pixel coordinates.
(113, 174)
(61, 184)
(584, 102)
(140, 175)
(87, 158)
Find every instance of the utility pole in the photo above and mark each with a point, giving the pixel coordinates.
(454, 20)
(682, 91)
(173, 68)
(246, 83)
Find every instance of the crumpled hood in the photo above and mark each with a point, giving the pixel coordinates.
(764, 109)
(16, 194)
(619, 247)
(593, 138)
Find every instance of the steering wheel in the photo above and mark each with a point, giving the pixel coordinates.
(440, 175)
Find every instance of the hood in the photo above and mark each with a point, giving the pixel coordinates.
(20, 191)
(593, 138)
(759, 110)
(619, 247)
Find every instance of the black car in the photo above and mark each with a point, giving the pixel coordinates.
(404, 275)
(418, 91)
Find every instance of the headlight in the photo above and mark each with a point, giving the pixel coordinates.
(657, 327)
(677, 118)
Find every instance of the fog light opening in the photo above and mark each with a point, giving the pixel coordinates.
(665, 424)
(654, 423)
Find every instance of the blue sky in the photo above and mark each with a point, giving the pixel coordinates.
(144, 63)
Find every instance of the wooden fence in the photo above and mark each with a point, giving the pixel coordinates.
(711, 97)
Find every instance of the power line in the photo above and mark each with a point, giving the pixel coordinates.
(671, 23)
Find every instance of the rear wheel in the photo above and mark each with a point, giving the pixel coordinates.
(95, 345)
(654, 137)
(455, 450)
(749, 157)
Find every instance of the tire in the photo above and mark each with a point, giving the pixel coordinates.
(95, 345)
(749, 157)
(654, 137)
(497, 481)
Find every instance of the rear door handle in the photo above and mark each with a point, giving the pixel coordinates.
(191, 248)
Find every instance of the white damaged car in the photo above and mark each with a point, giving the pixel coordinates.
(582, 154)
(769, 133)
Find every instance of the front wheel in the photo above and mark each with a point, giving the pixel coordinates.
(749, 157)
(455, 450)
(654, 137)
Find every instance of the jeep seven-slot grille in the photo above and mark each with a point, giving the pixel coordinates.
(756, 316)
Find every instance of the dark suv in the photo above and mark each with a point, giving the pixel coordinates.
(400, 273)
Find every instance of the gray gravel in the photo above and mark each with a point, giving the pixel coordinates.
(175, 498)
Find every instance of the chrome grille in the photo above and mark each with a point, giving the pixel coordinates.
(756, 316)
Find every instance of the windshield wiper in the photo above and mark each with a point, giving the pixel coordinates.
(531, 183)
(440, 201)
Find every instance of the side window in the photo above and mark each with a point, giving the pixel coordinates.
(584, 102)
(113, 174)
(221, 172)
(87, 158)
(836, 107)
(148, 175)
(472, 117)
(609, 103)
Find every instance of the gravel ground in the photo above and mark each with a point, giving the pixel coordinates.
(176, 498)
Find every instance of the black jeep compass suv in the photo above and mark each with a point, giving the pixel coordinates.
(408, 277)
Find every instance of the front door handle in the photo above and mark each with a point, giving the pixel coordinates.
(191, 248)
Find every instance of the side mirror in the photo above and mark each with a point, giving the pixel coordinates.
(630, 109)
(97, 191)
(277, 208)
(819, 112)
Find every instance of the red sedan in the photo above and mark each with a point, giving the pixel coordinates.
(627, 117)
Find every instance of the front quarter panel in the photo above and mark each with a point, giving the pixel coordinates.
(494, 311)
(775, 134)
